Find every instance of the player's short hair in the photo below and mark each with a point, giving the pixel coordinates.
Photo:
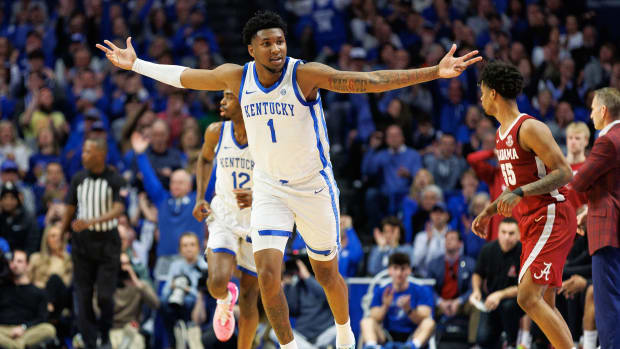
(502, 77)
(399, 259)
(578, 127)
(610, 97)
(262, 20)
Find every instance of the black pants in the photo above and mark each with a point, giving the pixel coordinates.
(60, 296)
(96, 260)
(504, 318)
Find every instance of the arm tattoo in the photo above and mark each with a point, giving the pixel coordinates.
(381, 80)
(554, 180)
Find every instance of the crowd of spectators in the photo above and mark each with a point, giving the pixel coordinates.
(414, 165)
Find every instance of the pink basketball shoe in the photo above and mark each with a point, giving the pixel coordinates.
(224, 319)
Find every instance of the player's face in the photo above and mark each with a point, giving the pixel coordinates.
(576, 142)
(487, 99)
(597, 115)
(229, 105)
(508, 236)
(269, 49)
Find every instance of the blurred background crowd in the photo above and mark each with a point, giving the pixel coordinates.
(411, 164)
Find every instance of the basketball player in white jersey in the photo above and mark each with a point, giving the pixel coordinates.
(293, 182)
(228, 219)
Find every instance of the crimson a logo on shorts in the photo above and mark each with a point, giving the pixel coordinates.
(509, 141)
(545, 272)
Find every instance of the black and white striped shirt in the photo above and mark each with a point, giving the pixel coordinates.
(94, 195)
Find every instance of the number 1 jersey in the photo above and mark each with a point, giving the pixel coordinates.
(520, 167)
(287, 135)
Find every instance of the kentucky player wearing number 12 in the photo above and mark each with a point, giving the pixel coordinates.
(535, 172)
(285, 124)
(225, 153)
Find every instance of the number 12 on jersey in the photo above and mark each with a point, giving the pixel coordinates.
(509, 174)
(272, 129)
(243, 179)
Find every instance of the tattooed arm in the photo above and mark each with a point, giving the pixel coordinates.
(536, 137)
(313, 76)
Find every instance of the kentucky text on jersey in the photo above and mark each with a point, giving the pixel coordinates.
(507, 154)
(241, 163)
(269, 108)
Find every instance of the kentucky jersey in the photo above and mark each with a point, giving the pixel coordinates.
(233, 170)
(286, 134)
(520, 167)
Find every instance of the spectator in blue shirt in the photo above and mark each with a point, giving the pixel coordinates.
(445, 165)
(394, 169)
(402, 308)
(388, 240)
(453, 112)
(174, 207)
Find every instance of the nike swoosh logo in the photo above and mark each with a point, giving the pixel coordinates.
(318, 191)
(538, 219)
(249, 92)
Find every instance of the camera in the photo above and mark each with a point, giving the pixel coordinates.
(181, 282)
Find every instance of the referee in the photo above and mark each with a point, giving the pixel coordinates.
(96, 245)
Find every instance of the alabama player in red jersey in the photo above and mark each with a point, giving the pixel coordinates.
(535, 172)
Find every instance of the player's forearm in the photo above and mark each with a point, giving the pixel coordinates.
(203, 174)
(554, 180)
(381, 80)
(117, 209)
(164, 73)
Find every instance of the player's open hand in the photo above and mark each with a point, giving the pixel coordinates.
(244, 197)
(122, 58)
(202, 210)
(451, 66)
(506, 202)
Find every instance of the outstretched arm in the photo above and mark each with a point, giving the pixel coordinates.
(204, 167)
(226, 76)
(317, 75)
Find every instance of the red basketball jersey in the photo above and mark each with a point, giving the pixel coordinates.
(576, 198)
(520, 167)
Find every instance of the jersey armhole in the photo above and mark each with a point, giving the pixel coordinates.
(298, 94)
(518, 132)
(245, 71)
(219, 142)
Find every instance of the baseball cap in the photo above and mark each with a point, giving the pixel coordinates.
(9, 165)
(9, 188)
(440, 206)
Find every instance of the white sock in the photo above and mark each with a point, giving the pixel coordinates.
(417, 343)
(291, 345)
(526, 339)
(589, 339)
(344, 335)
(226, 300)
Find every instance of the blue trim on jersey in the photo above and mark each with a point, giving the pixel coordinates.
(245, 70)
(322, 252)
(274, 232)
(300, 98)
(319, 145)
(323, 122)
(334, 207)
(247, 271)
(272, 87)
(219, 143)
(210, 192)
(223, 250)
(232, 134)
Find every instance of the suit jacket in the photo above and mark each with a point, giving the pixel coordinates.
(437, 270)
(599, 177)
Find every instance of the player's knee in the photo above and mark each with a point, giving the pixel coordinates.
(326, 276)
(217, 283)
(269, 281)
(527, 300)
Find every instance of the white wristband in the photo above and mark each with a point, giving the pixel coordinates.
(168, 74)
